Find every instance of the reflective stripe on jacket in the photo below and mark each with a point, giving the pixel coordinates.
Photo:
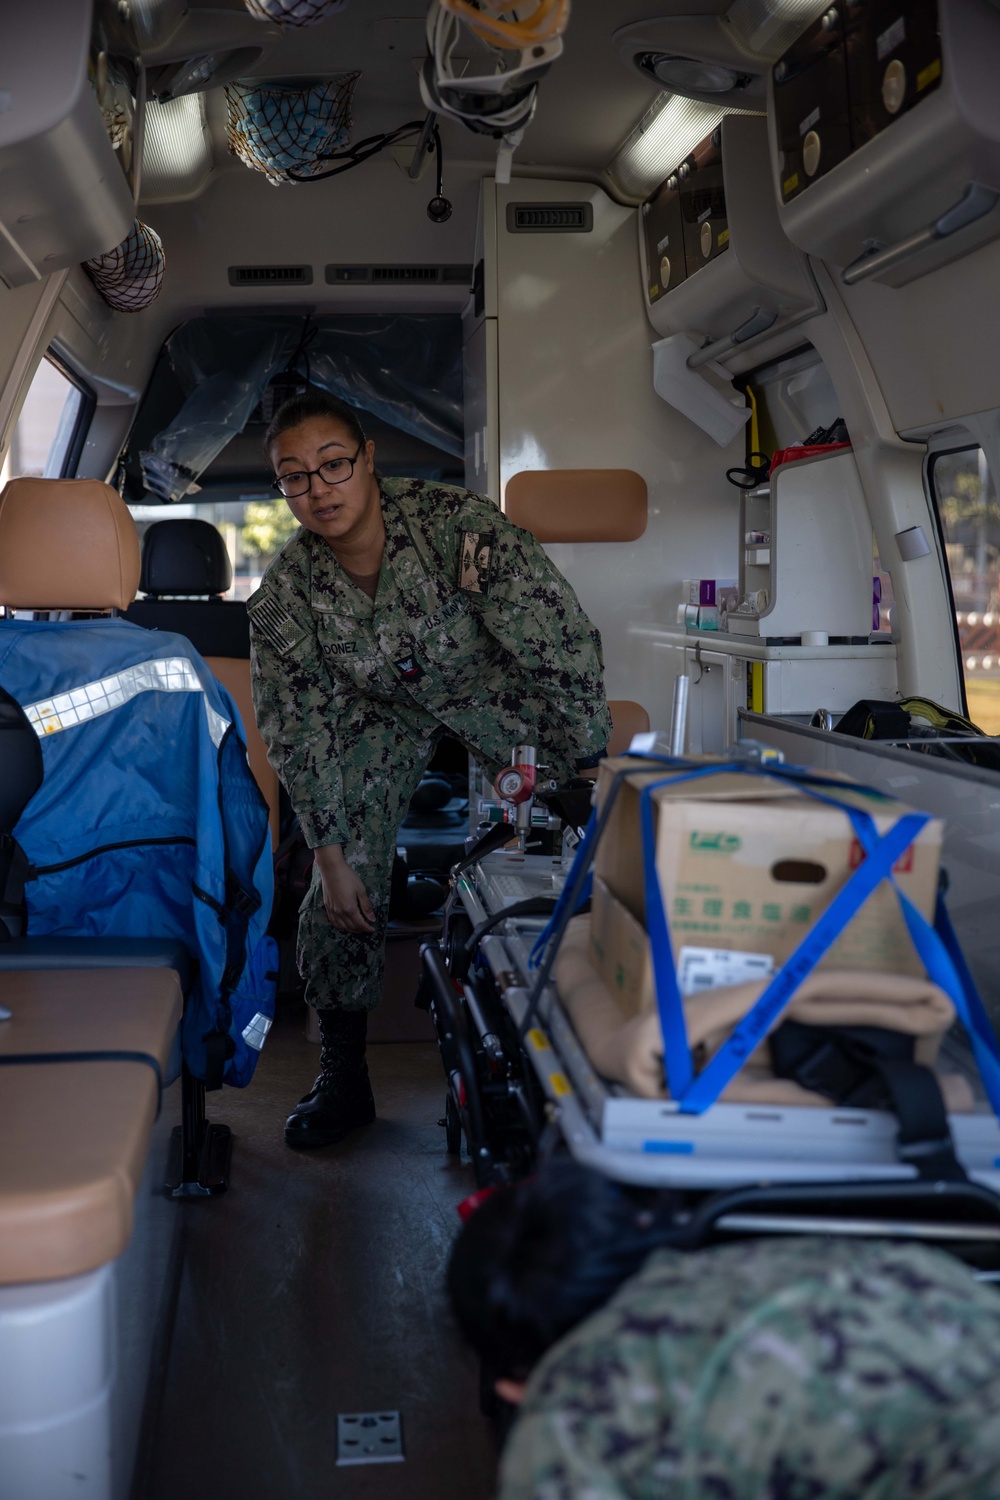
(148, 822)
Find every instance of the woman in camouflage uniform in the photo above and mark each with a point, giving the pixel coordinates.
(401, 611)
(792, 1369)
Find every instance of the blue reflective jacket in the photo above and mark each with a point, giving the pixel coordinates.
(148, 822)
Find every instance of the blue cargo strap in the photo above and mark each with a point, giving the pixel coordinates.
(936, 947)
(580, 877)
(755, 1025)
(694, 1095)
(581, 863)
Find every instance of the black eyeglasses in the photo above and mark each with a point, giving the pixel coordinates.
(334, 471)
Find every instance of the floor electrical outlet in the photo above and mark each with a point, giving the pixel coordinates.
(369, 1437)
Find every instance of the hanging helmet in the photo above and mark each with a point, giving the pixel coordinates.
(499, 103)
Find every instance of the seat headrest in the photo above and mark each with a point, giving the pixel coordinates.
(66, 544)
(184, 556)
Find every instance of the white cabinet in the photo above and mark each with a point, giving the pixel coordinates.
(729, 673)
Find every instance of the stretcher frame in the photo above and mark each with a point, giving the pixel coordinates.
(764, 1168)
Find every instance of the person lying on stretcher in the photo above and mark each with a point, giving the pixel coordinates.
(813, 1367)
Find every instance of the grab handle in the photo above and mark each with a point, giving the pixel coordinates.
(975, 203)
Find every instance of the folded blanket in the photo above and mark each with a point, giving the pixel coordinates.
(631, 1051)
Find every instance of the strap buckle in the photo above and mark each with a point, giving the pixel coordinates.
(932, 1158)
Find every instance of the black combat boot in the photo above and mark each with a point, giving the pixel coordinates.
(341, 1098)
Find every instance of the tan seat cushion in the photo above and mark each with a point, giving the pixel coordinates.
(76, 1135)
(234, 674)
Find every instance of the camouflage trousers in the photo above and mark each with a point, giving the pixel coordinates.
(344, 970)
(380, 777)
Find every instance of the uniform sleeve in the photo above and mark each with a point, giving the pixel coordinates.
(543, 1457)
(530, 609)
(299, 710)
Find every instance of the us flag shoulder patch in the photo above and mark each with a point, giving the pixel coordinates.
(475, 561)
(274, 623)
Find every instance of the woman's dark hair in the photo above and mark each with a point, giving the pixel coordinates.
(537, 1258)
(313, 403)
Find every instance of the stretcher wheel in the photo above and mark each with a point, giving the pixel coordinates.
(452, 1127)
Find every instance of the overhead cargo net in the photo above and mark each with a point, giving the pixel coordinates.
(285, 128)
(294, 14)
(129, 277)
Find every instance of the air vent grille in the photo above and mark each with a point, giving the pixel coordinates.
(550, 218)
(399, 275)
(270, 275)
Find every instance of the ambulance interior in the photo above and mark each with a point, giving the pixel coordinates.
(707, 246)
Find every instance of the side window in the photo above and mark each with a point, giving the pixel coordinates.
(48, 437)
(966, 499)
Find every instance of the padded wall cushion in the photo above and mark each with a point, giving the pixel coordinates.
(578, 505)
(66, 544)
(184, 556)
(627, 719)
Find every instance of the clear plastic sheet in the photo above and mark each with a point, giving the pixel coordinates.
(405, 369)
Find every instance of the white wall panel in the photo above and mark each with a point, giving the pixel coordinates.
(576, 391)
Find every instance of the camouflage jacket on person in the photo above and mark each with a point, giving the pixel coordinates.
(472, 629)
(803, 1369)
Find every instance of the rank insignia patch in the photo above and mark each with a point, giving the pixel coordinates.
(409, 667)
(475, 561)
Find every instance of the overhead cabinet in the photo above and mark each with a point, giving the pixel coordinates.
(684, 223)
(716, 263)
(63, 194)
(885, 136)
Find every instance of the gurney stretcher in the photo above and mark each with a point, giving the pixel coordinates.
(742, 1168)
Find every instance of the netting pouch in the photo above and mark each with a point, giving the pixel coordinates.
(294, 13)
(282, 128)
(130, 276)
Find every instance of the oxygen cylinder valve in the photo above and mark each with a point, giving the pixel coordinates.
(516, 785)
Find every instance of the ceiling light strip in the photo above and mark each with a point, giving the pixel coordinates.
(177, 152)
(669, 129)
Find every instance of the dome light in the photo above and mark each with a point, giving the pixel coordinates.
(686, 75)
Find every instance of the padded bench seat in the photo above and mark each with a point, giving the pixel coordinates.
(76, 1135)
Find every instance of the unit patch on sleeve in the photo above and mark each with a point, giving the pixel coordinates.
(475, 561)
(274, 623)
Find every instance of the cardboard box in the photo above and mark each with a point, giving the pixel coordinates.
(749, 863)
(620, 952)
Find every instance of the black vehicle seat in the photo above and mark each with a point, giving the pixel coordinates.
(185, 571)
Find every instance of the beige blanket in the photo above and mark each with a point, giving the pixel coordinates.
(631, 1051)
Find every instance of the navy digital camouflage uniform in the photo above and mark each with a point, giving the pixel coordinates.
(472, 632)
(802, 1369)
